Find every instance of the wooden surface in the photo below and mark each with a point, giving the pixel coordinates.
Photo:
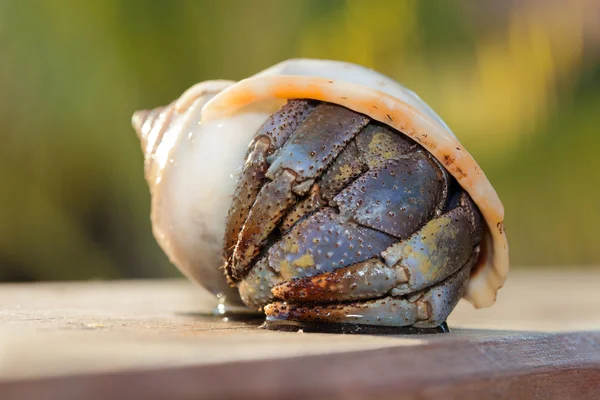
(150, 340)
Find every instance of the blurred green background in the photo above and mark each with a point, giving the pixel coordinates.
(518, 81)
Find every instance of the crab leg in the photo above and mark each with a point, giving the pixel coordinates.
(397, 197)
(271, 135)
(346, 168)
(303, 208)
(274, 199)
(245, 194)
(428, 256)
(428, 308)
(308, 150)
(317, 141)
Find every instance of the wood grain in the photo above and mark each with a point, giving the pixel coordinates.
(149, 339)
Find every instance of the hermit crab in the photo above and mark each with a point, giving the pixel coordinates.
(322, 191)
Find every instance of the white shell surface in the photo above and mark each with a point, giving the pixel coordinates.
(191, 168)
(385, 100)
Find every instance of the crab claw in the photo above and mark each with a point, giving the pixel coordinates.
(270, 206)
(397, 197)
(428, 256)
(365, 280)
(428, 308)
(386, 311)
(323, 242)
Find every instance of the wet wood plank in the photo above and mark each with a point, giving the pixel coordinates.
(150, 339)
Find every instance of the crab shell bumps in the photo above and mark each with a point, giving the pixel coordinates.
(322, 191)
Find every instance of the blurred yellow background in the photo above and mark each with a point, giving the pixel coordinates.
(518, 81)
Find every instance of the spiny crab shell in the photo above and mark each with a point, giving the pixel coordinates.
(195, 149)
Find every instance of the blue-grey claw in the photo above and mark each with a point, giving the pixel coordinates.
(427, 257)
(396, 198)
(323, 242)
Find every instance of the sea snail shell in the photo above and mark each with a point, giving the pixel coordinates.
(194, 150)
